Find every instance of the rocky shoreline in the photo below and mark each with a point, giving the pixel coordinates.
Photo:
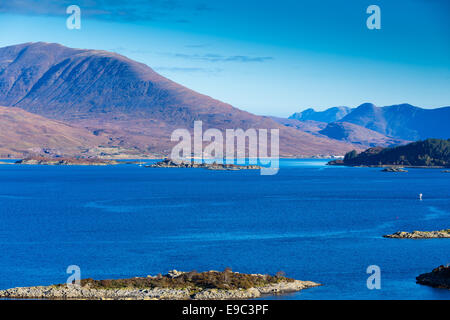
(66, 161)
(438, 278)
(168, 163)
(419, 234)
(394, 169)
(210, 285)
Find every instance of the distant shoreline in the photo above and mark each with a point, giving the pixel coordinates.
(66, 161)
(386, 166)
(108, 161)
(116, 161)
(209, 159)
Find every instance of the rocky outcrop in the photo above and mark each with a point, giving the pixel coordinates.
(168, 163)
(66, 161)
(394, 169)
(86, 293)
(420, 234)
(176, 285)
(77, 293)
(272, 289)
(438, 278)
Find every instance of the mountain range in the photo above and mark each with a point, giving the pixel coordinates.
(328, 115)
(124, 102)
(342, 131)
(64, 101)
(397, 123)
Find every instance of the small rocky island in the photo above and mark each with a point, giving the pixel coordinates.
(438, 278)
(168, 163)
(61, 161)
(394, 169)
(176, 285)
(420, 234)
(430, 153)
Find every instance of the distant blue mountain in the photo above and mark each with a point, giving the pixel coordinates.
(329, 115)
(402, 121)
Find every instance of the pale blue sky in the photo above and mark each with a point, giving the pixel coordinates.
(266, 57)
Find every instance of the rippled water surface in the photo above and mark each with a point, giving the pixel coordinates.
(311, 221)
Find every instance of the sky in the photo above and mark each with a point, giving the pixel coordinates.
(265, 57)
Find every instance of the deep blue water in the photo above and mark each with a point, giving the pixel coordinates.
(311, 221)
